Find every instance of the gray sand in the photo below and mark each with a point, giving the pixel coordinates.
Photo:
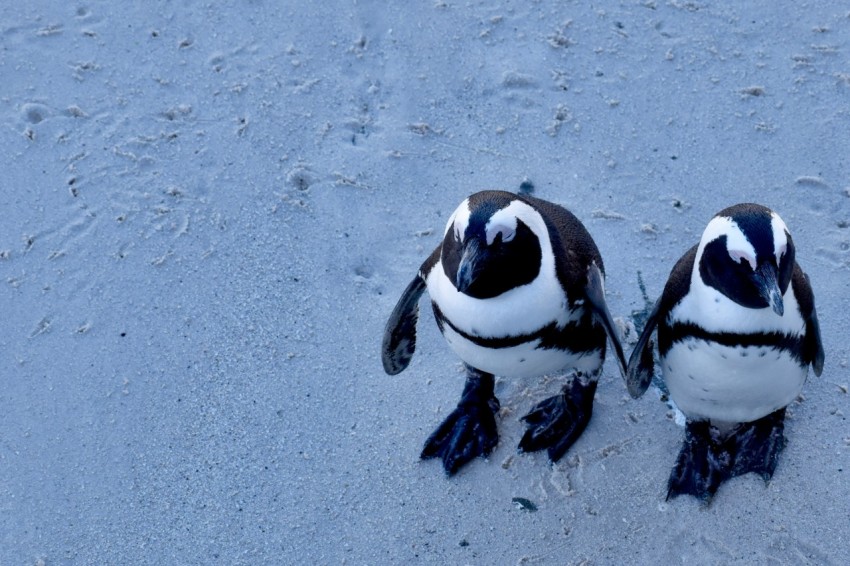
(211, 209)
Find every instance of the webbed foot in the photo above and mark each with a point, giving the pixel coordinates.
(470, 430)
(700, 466)
(758, 445)
(708, 458)
(557, 422)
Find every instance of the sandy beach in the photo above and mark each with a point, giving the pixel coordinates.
(210, 210)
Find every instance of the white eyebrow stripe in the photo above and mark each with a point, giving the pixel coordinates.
(503, 218)
(736, 240)
(459, 218)
(780, 234)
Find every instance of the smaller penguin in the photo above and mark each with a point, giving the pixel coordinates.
(737, 332)
(517, 290)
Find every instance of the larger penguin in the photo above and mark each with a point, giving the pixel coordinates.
(517, 290)
(737, 332)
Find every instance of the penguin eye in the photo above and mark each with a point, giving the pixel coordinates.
(740, 257)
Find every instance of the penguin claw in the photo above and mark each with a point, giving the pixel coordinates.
(469, 431)
(557, 422)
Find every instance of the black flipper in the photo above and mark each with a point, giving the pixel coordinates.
(400, 333)
(813, 338)
(596, 295)
(813, 344)
(641, 365)
(708, 459)
(557, 422)
(470, 430)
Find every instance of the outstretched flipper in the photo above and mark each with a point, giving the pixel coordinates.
(470, 430)
(557, 422)
(708, 459)
(596, 295)
(400, 333)
(641, 365)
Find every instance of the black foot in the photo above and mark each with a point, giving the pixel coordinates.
(708, 459)
(759, 444)
(557, 422)
(699, 469)
(470, 430)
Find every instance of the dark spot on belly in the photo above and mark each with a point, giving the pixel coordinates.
(691, 347)
(521, 360)
(762, 354)
(723, 356)
(691, 377)
(744, 353)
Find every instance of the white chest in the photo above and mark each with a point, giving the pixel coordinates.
(710, 309)
(521, 311)
(730, 383)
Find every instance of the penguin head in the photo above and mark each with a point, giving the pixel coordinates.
(493, 244)
(747, 254)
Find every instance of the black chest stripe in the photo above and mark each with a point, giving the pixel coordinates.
(579, 336)
(681, 331)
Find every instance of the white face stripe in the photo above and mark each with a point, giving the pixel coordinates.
(780, 239)
(459, 219)
(736, 242)
(506, 217)
(519, 210)
(502, 221)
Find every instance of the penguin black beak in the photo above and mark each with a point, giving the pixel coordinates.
(768, 287)
(468, 269)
